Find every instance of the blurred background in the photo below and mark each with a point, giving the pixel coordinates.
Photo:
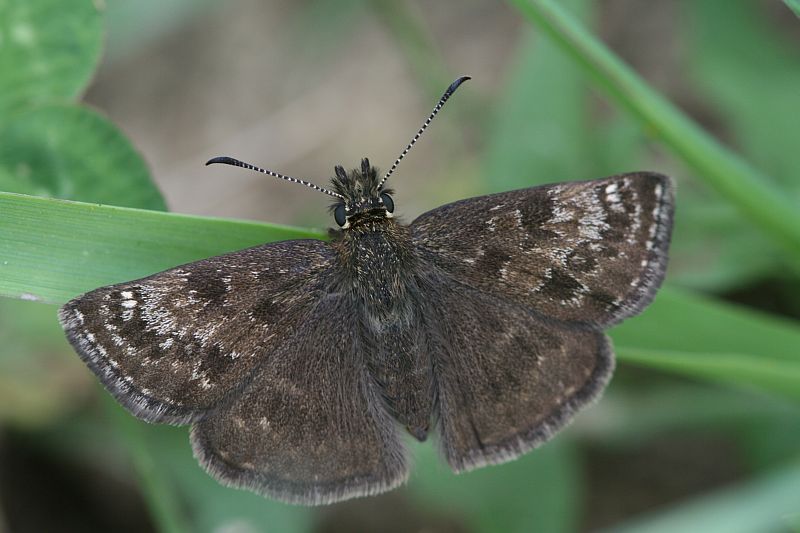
(689, 436)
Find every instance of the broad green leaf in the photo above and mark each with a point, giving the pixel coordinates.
(753, 193)
(48, 50)
(52, 250)
(769, 503)
(73, 153)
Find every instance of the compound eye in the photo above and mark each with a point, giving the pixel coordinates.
(339, 215)
(388, 203)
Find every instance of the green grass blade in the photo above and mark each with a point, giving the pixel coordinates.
(794, 5)
(750, 371)
(732, 177)
(699, 337)
(52, 250)
(682, 321)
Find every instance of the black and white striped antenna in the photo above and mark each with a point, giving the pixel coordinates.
(447, 94)
(235, 162)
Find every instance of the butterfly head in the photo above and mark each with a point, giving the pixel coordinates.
(362, 196)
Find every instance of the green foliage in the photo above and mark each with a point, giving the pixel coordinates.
(72, 152)
(50, 49)
(750, 191)
(125, 243)
(60, 160)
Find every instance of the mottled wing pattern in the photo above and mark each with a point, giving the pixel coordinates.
(172, 346)
(506, 378)
(311, 428)
(592, 252)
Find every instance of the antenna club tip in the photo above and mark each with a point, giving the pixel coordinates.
(224, 160)
(455, 84)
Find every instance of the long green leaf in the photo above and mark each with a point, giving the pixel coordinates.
(695, 336)
(741, 369)
(732, 177)
(682, 321)
(52, 250)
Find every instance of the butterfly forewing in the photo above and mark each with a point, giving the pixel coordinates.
(173, 345)
(591, 252)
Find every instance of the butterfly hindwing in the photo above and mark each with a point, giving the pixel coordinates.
(506, 378)
(172, 346)
(311, 427)
(592, 252)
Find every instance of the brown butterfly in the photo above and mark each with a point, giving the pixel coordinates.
(299, 364)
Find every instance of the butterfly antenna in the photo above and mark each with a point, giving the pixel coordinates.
(237, 163)
(447, 94)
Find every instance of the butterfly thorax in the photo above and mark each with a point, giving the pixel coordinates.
(377, 265)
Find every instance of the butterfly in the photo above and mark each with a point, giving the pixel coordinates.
(300, 365)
